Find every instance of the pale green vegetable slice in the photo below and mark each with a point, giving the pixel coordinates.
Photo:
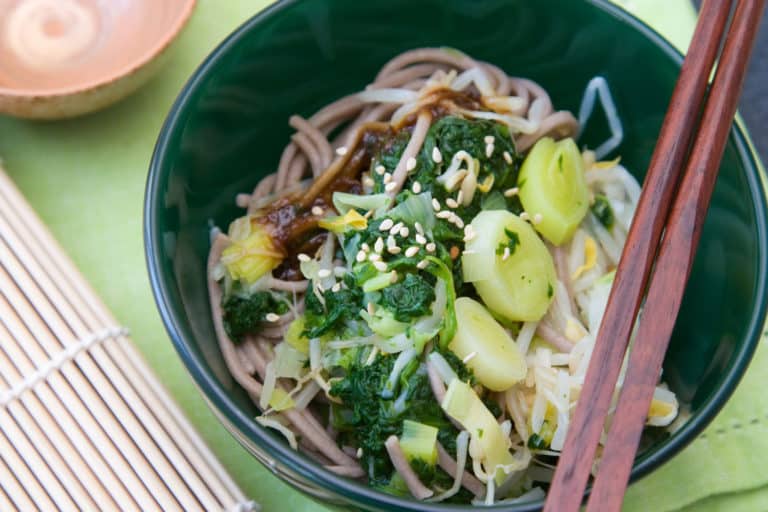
(419, 441)
(552, 185)
(492, 355)
(462, 404)
(518, 286)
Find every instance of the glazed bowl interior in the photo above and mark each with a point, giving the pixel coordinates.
(229, 126)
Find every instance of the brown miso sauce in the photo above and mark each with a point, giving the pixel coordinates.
(294, 229)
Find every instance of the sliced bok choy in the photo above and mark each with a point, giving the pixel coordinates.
(490, 352)
(552, 185)
(510, 266)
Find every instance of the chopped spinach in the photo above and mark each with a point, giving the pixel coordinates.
(243, 315)
(365, 419)
(601, 209)
(341, 308)
(408, 299)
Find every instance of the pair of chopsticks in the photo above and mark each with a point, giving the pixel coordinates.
(671, 258)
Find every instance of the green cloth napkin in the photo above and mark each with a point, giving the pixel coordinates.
(86, 179)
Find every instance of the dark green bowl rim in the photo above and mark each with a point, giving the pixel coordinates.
(355, 492)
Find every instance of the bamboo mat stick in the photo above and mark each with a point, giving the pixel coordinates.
(5, 501)
(95, 395)
(89, 364)
(87, 423)
(52, 457)
(123, 383)
(69, 441)
(98, 383)
(25, 460)
(22, 496)
(96, 315)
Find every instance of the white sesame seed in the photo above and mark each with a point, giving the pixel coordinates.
(443, 214)
(537, 218)
(420, 239)
(365, 247)
(272, 317)
(396, 228)
(387, 177)
(419, 228)
(506, 254)
(469, 233)
(510, 192)
(391, 241)
(437, 156)
(431, 247)
(386, 225)
(380, 266)
(411, 251)
(316, 210)
(410, 164)
(341, 151)
(323, 273)
(451, 203)
(458, 221)
(391, 186)
(422, 264)
(303, 257)
(371, 308)
(524, 216)
(336, 287)
(507, 157)
(374, 257)
(469, 251)
(489, 150)
(404, 231)
(393, 277)
(394, 250)
(489, 139)
(416, 187)
(460, 197)
(380, 170)
(360, 256)
(435, 205)
(359, 453)
(469, 357)
(368, 181)
(379, 245)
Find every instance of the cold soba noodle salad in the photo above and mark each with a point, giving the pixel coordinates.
(421, 312)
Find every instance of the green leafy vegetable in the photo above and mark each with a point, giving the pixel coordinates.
(341, 308)
(365, 419)
(244, 314)
(601, 209)
(513, 240)
(408, 299)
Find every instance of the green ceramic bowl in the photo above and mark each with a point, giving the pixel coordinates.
(229, 125)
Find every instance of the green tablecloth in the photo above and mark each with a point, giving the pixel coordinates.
(86, 179)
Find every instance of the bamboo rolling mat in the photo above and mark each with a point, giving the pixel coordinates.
(84, 425)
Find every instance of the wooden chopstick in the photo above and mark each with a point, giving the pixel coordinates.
(670, 275)
(674, 262)
(584, 431)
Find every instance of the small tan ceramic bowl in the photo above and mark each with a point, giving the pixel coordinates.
(63, 58)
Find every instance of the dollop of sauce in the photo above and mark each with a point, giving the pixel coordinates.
(44, 34)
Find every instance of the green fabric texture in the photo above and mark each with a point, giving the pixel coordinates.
(86, 179)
